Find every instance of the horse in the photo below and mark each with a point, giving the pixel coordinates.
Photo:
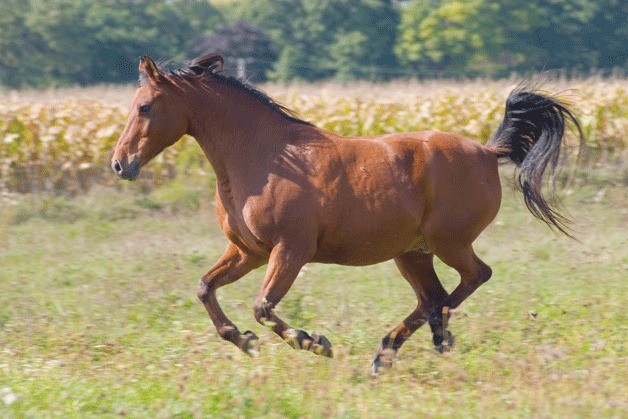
(289, 193)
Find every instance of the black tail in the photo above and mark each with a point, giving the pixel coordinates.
(531, 135)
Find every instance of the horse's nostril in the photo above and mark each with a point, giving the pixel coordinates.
(117, 167)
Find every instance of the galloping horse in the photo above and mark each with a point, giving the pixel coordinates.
(289, 193)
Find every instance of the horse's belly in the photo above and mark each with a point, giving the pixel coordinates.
(361, 250)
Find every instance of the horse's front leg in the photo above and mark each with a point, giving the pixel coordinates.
(284, 265)
(231, 266)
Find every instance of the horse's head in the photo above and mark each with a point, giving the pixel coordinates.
(158, 118)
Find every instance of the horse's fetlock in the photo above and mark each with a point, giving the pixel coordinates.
(435, 318)
(262, 311)
(228, 332)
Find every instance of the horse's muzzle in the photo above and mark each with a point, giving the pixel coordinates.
(128, 171)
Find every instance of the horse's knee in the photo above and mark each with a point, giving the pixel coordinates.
(259, 313)
(204, 290)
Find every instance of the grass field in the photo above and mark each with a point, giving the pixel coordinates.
(99, 316)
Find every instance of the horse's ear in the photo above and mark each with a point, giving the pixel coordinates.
(149, 69)
(212, 63)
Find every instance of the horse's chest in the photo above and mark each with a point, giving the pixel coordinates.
(238, 232)
(239, 229)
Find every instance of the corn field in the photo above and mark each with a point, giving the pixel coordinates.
(64, 144)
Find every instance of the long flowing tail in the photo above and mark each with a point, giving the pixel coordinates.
(531, 135)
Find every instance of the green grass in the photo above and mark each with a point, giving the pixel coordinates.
(98, 316)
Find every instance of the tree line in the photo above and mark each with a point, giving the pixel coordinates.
(57, 42)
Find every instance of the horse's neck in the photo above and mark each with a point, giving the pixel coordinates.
(240, 137)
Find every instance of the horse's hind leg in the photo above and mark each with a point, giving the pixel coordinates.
(473, 273)
(418, 269)
(283, 267)
(231, 266)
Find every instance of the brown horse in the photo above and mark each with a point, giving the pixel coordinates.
(289, 193)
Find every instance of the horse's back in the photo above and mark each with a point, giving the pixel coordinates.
(393, 187)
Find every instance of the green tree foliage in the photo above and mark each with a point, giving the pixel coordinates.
(332, 38)
(22, 52)
(73, 41)
(450, 36)
(51, 42)
(583, 34)
(494, 37)
(468, 37)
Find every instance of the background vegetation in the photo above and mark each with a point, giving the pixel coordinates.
(60, 42)
(61, 141)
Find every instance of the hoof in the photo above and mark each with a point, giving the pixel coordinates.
(384, 359)
(250, 344)
(321, 346)
(297, 339)
(316, 343)
(444, 344)
(443, 339)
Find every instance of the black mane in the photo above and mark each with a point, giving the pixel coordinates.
(205, 67)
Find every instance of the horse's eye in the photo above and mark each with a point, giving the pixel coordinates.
(144, 109)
